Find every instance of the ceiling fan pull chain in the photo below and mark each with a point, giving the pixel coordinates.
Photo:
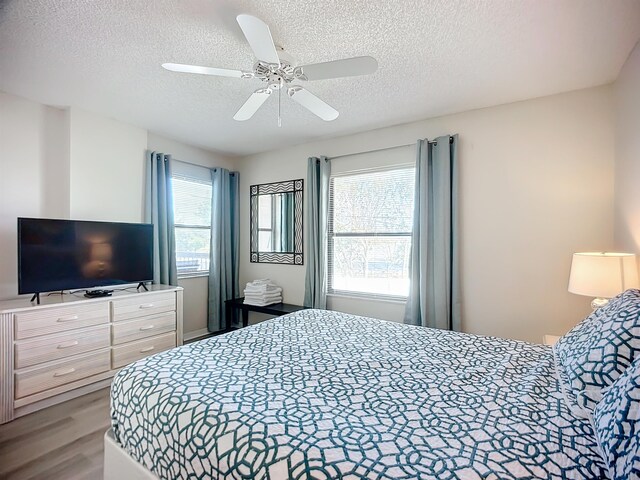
(279, 98)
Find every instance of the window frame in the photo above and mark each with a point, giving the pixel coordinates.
(177, 226)
(331, 234)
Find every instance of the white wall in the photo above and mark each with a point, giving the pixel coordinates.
(33, 166)
(107, 168)
(56, 167)
(627, 178)
(536, 184)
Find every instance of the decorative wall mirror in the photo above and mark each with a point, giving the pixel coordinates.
(276, 222)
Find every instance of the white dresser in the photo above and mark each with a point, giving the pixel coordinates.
(71, 345)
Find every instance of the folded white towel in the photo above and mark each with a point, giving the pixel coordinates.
(258, 291)
(263, 297)
(263, 289)
(262, 281)
(261, 285)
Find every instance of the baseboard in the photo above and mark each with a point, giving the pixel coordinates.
(188, 336)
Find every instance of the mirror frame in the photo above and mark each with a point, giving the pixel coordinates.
(287, 258)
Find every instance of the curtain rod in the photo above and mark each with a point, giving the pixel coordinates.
(385, 148)
(198, 165)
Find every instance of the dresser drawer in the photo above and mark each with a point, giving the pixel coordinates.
(61, 345)
(39, 379)
(125, 354)
(142, 305)
(130, 330)
(59, 319)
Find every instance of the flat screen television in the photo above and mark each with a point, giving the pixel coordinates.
(71, 254)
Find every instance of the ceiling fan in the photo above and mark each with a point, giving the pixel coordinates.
(277, 71)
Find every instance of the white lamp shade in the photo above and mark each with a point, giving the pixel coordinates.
(602, 274)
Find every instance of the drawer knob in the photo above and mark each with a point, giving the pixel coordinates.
(68, 344)
(147, 327)
(146, 305)
(148, 349)
(68, 318)
(62, 373)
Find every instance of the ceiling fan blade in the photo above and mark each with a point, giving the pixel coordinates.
(312, 103)
(251, 106)
(221, 72)
(348, 67)
(259, 37)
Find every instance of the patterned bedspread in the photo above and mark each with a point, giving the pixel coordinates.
(319, 394)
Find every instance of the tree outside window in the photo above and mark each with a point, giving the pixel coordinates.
(370, 224)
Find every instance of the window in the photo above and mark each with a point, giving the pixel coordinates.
(192, 214)
(370, 224)
(265, 229)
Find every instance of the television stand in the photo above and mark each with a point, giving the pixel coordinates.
(141, 284)
(36, 296)
(97, 336)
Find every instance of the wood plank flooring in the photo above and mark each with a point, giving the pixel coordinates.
(60, 442)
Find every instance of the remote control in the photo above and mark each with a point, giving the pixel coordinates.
(98, 293)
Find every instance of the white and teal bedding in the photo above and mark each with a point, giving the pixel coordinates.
(319, 394)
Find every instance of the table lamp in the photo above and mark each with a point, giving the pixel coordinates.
(602, 275)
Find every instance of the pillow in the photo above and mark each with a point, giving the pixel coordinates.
(597, 351)
(616, 423)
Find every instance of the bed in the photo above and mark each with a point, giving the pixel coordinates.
(318, 394)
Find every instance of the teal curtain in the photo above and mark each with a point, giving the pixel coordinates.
(434, 298)
(159, 212)
(316, 229)
(225, 235)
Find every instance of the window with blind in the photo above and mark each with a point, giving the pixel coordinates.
(370, 224)
(192, 214)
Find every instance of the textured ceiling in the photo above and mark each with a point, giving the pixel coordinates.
(435, 57)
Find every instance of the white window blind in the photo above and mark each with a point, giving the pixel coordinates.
(370, 224)
(192, 216)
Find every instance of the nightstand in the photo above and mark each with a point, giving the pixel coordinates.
(276, 309)
(550, 339)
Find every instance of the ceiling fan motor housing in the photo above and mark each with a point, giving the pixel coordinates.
(276, 76)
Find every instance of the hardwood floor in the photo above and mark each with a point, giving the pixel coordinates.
(60, 442)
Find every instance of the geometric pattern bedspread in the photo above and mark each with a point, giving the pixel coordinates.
(318, 394)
